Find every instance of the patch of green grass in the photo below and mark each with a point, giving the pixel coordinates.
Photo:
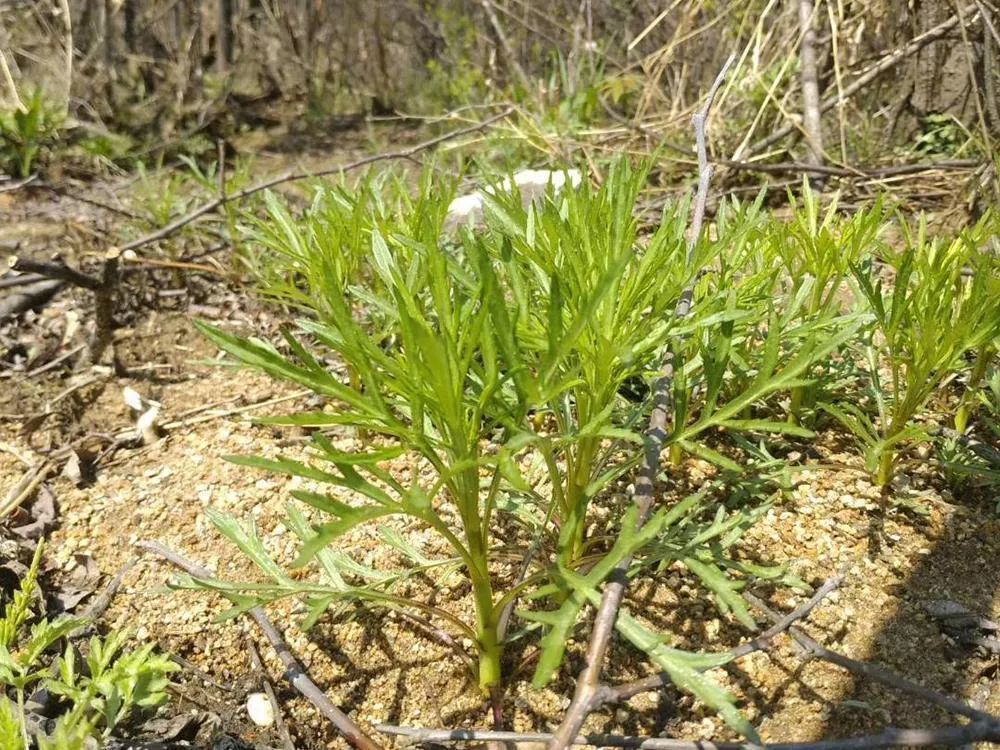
(942, 302)
(96, 693)
(27, 134)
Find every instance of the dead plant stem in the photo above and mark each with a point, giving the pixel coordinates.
(588, 683)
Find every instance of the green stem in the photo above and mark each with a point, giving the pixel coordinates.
(23, 718)
(975, 377)
(571, 540)
(490, 652)
(886, 463)
(354, 379)
(676, 454)
(487, 619)
(487, 614)
(795, 407)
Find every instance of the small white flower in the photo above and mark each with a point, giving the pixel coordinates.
(465, 205)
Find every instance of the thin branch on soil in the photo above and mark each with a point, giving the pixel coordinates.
(986, 730)
(24, 279)
(441, 636)
(957, 165)
(258, 667)
(623, 692)
(16, 452)
(813, 649)
(54, 363)
(17, 184)
(294, 672)
(103, 287)
(188, 422)
(29, 296)
(212, 205)
(588, 686)
(200, 673)
(54, 271)
(101, 603)
(886, 63)
(27, 485)
(64, 193)
(136, 263)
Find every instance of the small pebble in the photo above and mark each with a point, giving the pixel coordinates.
(260, 710)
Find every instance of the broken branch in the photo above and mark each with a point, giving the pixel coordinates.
(986, 730)
(626, 690)
(886, 63)
(872, 671)
(212, 205)
(588, 687)
(294, 671)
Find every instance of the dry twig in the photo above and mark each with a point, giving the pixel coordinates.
(103, 287)
(987, 730)
(873, 672)
(588, 686)
(294, 672)
(982, 728)
(763, 641)
(279, 721)
(217, 203)
(888, 62)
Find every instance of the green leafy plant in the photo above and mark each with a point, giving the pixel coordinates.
(26, 132)
(215, 180)
(99, 693)
(590, 312)
(964, 467)
(817, 250)
(506, 369)
(752, 339)
(427, 395)
(942, 135)
(972, 396)
(943, 302)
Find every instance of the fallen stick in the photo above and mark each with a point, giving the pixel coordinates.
(983, 728)
(8, 187)
(212, 205)
(53, 271)
(28, 483)
(294, 672)
(103, 287)
(52, 364)
(619, 693)
(813, 649)
(29, 296)
(957, 165)
(986, 730)
(588, 686)
(189, 422)
(100, 605)
(15, 280)
(258, 666)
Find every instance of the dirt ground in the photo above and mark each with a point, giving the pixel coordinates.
(921, 545)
